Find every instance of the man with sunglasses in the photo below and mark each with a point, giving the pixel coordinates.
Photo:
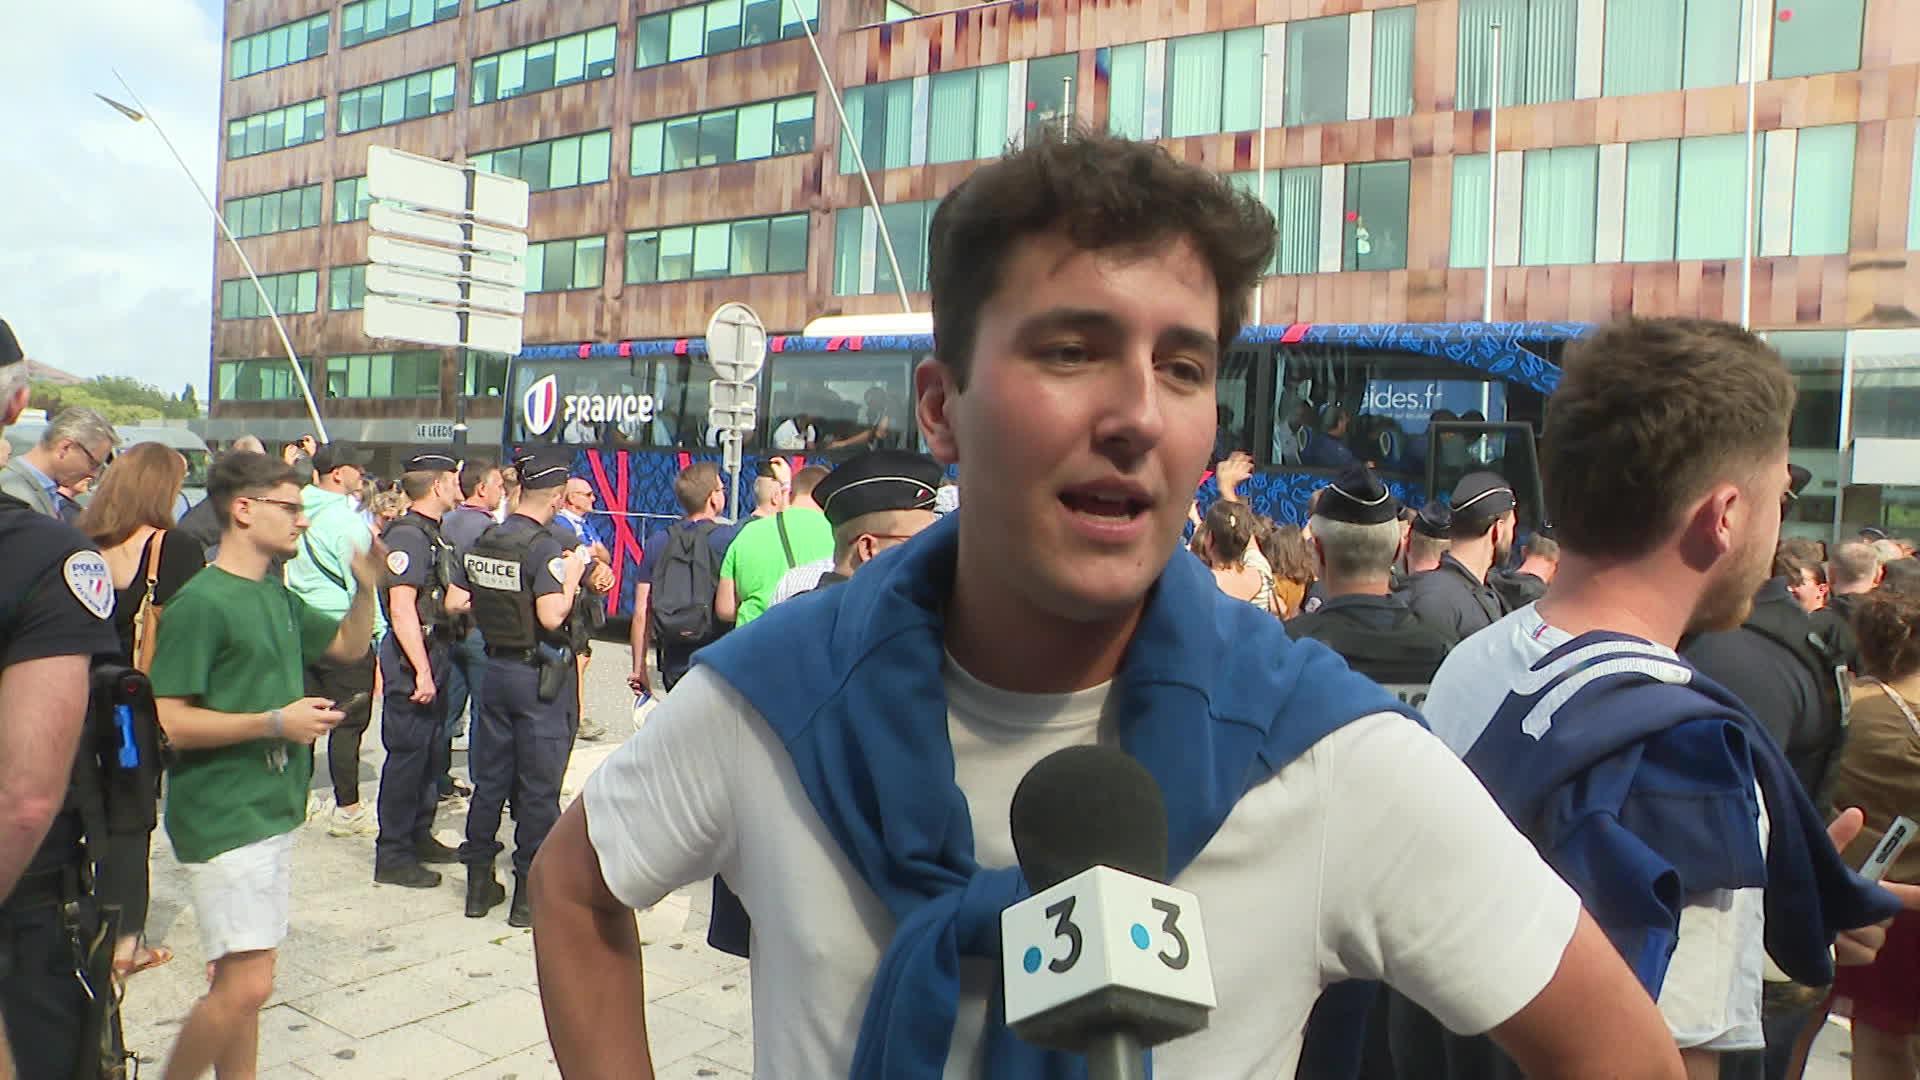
(229, 671)
(72, 450)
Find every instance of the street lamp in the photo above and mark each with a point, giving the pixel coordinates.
(138, 113)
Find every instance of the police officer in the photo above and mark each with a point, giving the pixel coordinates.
(420, 602)
(1357, 538)
(876, 501)
(524, 587)
(1427, 541)
(1455, 597)
(55, 943)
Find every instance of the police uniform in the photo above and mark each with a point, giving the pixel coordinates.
(523, 733)
(1381, 638)
(1450, 598)
(419, 557)
(58, 602)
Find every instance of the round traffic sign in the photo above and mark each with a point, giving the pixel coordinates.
(736, 342)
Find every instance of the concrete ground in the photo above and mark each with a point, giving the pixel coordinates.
(377, 981)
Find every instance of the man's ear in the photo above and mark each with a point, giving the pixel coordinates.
(936, 390)
(11, 409)
(1710, 531)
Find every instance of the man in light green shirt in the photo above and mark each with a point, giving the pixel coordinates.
(766, 548)
(321, 575)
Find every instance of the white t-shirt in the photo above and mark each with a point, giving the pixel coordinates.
(800, 579)
(1711, 996)
(787, 436)
(1370, 856)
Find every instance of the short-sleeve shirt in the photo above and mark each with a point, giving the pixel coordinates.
(234, 645)
(1367, 857)
(463, 525)
(757, 559)
(410, 553)
(59, 597)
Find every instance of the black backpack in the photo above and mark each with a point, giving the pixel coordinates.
(685, 579)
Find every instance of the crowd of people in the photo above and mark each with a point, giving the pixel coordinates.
(1460, 799)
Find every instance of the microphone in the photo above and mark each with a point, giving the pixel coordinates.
(1104, 959)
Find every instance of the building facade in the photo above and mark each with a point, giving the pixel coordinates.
(683, 155)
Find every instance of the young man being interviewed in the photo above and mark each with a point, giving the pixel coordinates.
(848, 761)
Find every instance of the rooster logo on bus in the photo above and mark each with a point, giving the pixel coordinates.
(540, 404)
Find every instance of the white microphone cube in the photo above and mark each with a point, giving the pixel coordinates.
(1102, 949)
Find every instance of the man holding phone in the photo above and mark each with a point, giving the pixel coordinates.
(227, 674)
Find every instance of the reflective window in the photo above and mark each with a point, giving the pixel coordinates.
(1375, 221)
(368, 20)
(720, 26)
(1213, 82)
(410, 97)
(856, 239)
(290, 43)
(347, 288)
(1558, 200)
(1656, 45)
(1293, 197)
(882, 116)
(765, 245)
(1536, 51)
(762, 129)
(383, 375)
(1823, 190)
(543, 66)
(1886, 384)
(1393, 61)
(1125, 68)
(274, 212)
(560, 265)
(269, 379)
(292, 294)
(1316, 71)
(350, 199)
(1813, 37)
(1468, 239)
(486, 373)
(1050, 91)
(277, 129)
(555, 163)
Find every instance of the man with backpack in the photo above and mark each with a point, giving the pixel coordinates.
(673, 604)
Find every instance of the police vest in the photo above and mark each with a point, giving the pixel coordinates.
(429, 601)
(1401, 657)
(1778, 624)
(500, 570)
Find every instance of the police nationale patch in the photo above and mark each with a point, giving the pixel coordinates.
(398, 561)
(88, 579)
(557, 566)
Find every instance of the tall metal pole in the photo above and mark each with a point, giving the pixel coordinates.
(1260, 171)
(1493, 179)
(860, 162)
(1748, 225)
(1066, 106)
(139, 113)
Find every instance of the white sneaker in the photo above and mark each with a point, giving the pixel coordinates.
(319, 805)
(357, 822)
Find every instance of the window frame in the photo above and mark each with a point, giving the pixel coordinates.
(521, 59)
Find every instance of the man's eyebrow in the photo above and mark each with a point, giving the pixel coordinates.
(1097, 320)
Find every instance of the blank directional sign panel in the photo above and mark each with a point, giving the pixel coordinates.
(427, 258)
(393, 281)
(432, 324)
(439, 229)
(439, 185)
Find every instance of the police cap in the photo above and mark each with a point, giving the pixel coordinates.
(544, 467)
(1357, 497)
(1434, 520)
(430, 459)
(10, 351)
(876, 481)
(1482, 495)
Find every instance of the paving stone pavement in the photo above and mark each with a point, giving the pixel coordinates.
(377, 982)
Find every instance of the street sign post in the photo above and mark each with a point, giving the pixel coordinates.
(445, 259)
(737, 349)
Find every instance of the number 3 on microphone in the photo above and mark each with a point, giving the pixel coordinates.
(1170, 927)
(1064, 927)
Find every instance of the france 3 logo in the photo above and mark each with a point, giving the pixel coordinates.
(540, 405)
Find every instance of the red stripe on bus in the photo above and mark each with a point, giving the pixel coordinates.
(586, 350)
(1295, 333)
(777, 343)
(855, 342)
(626, 348)
(686, 460)
(680, 347)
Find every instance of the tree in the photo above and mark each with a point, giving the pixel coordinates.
(188, 398)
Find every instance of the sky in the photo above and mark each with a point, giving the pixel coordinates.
(106, 252)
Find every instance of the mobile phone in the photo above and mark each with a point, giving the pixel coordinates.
(1899, 835)
(357, 701)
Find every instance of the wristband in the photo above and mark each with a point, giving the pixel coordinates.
(276, 723)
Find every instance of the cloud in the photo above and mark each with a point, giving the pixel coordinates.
(106, 260)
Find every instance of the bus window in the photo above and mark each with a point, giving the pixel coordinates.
(840, 401)
(1233, 399)
(588, 402)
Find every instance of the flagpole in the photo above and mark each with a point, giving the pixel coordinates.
(140, 112)
(1748, 225)
(1493, 179)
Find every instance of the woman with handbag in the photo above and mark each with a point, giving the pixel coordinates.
(131, 519)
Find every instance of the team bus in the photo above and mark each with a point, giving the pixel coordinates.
(1423, 402)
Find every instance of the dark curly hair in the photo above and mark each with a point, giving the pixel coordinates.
(1101, 192)
(1886, 623)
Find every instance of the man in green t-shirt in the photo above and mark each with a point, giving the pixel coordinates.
(228, 676)
(766, 548)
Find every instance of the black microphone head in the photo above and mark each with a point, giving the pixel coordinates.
(1088, 806)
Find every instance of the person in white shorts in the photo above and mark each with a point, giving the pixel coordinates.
(227, 673)
(848, 761)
